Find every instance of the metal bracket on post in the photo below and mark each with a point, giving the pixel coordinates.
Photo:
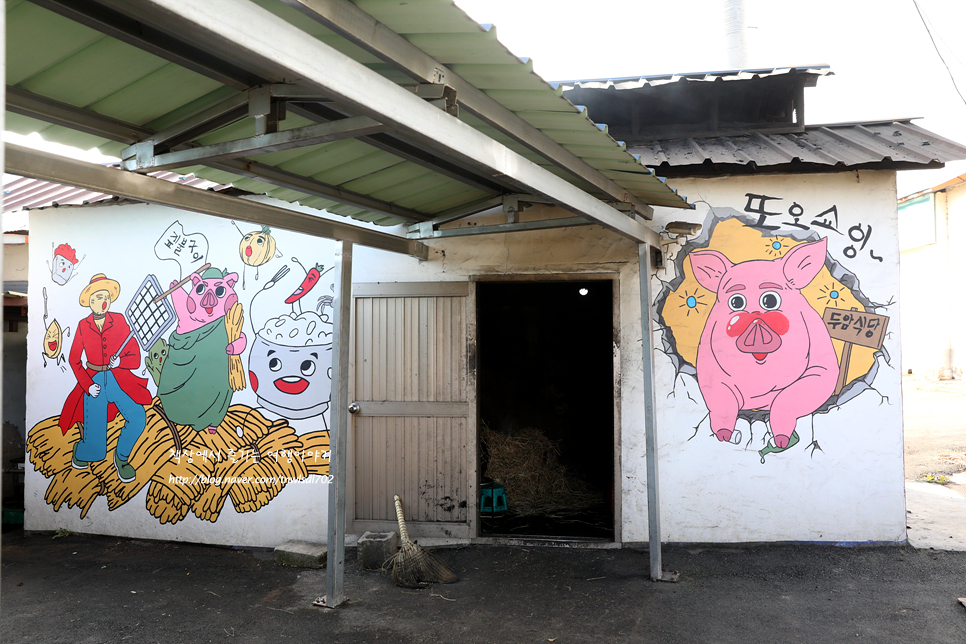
(267, 111)
(511, 206)
(625, 207)
(439, 95)
(657, 257)
(650, 424)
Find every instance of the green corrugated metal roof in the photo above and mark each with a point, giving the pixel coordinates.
(58, 58)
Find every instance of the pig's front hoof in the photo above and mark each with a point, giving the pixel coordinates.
(781, 442)
(724, 435)
(212, 430)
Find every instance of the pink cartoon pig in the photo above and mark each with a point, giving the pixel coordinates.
(209, 298)
(763, 346)
(194, 386)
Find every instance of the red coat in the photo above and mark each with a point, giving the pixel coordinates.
(99, 346)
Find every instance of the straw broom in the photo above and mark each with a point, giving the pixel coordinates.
(234, 319)
(413, 567)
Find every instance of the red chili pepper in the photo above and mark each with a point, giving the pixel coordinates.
(310, 280)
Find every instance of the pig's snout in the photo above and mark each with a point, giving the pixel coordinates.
(757, 333)
(209, 301)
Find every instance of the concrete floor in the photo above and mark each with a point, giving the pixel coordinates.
(98, 589)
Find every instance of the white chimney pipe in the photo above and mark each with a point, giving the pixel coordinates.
(734, 21)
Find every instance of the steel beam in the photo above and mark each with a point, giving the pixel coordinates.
(355, 25)
(408, 151)
(467, 210)
(284, 179)
(125, 28)
(276, 142)
(51, 167)
(118, 21)
(225, 26)
(48, 110)
(114, 130)
(338, 441)
(426, 231)
(227, 111)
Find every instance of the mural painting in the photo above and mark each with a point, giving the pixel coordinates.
(168, 401)
(64, 262)
(256, 248)
(54, 339)
(769, 325)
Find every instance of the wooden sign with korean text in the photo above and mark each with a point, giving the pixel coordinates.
(857, 327)
(854, 327)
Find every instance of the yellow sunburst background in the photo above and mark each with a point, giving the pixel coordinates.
(687, 307)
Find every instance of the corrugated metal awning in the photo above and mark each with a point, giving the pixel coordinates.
(108, 77)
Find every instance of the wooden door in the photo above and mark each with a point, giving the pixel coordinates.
(414, 432)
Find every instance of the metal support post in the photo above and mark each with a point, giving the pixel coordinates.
(335, 568)
(650, 424)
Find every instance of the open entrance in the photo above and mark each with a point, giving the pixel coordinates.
(546, 404)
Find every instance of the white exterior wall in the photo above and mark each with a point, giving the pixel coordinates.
(119, 241)
(931, 302)
(956, 223)
(849, 489)
(846, 487)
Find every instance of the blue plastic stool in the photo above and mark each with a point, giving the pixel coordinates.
(492, 498)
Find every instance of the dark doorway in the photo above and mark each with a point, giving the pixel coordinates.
(546, 396)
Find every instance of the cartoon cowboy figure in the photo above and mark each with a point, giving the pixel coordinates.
(106, 383)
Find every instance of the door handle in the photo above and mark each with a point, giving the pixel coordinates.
(354, 408)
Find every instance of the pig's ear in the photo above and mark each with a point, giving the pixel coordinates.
(232, 279)
(802, 263)
(195, 279)
(709, 267)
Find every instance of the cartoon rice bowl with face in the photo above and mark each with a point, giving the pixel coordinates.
(290, 365)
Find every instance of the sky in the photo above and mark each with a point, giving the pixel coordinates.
(885, 65)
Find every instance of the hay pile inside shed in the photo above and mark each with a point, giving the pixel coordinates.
(536, 483)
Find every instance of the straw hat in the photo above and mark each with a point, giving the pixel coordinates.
(99, 282)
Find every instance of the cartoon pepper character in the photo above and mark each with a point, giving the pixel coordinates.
(106, 383)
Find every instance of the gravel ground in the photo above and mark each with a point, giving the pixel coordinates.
(934, 428)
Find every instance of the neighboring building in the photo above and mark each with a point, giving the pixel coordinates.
(931, 234)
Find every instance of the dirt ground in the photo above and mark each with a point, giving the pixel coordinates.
(934, 427)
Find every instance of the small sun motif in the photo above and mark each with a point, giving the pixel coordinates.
(832, 295)
(776, 246)
(692, 301)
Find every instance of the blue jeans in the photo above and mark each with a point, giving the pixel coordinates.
(93, 447)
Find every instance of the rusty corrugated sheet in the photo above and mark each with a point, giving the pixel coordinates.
(656, 80)
(20, 193)
(843, 144)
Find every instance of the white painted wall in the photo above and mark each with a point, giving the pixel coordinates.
(851, 490)
(956, 222)
(930, 294)
(15, 262)
(119, 240)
